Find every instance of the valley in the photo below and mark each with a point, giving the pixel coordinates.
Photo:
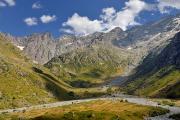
(42, 77)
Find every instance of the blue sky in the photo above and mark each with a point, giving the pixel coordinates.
(80, 17)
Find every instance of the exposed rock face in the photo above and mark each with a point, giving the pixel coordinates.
(170, 55)
(41, 48)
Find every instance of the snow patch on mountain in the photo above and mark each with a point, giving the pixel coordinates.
(21, 47)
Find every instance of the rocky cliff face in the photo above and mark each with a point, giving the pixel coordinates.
(169, 56)
(39, 47)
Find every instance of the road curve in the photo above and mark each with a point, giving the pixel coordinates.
(131, 99)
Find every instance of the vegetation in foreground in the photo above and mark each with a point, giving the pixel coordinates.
(95, 110)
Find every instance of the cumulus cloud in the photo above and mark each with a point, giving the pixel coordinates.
(31, 21)
(165, 5)
(82, 25)
(37, 5)
(109, 19)
(108, 14)
(48, 18)
(127, 16)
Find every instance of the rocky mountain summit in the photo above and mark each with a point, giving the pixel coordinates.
(40, 47)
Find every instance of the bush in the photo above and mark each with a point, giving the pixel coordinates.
(175, 116)
(168, 103)
(109, 91)
(71, 94)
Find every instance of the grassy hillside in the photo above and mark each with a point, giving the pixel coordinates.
(23, 83)
(164, 83)
(95, 110)
(89, 66)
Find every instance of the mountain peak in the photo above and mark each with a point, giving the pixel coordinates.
(43, 36)
(116, 30)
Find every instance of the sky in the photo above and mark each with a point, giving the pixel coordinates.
(80, 17)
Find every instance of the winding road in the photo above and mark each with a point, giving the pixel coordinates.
(131, 99)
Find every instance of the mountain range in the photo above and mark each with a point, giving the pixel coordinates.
(147, 55)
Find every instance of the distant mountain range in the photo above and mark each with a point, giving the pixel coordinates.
(140, 40)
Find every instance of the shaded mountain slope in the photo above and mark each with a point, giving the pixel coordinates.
(159, 73)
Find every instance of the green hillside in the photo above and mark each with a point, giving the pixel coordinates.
(164, 83)
(23, 83)
(89, 66)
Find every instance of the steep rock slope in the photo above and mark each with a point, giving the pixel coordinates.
(159, 73)
(39, 47)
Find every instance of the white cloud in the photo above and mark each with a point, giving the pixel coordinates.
(164, 5)
(109, 19)
(37, 5)
(108, 14)
(127, 16)
(83, 25)
(10, 2)
(31, 21)
(48, 18)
